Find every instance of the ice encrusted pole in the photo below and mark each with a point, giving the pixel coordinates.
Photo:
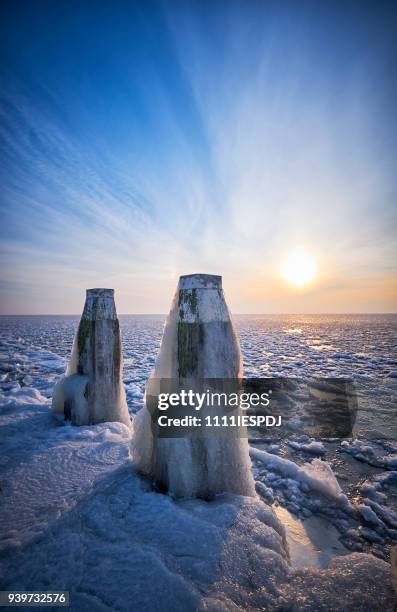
(199, 342)
(92, 390)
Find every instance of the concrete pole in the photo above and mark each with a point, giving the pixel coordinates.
(199, 342)
(92, 390)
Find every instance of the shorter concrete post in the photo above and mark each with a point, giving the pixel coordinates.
(92, 390)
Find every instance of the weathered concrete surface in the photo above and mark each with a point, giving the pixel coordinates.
(199, 342)
(207, 343)
(92, 390)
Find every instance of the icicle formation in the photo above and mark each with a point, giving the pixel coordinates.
(199, 341)
(92, 389)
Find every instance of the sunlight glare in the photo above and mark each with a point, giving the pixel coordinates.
(299, 268)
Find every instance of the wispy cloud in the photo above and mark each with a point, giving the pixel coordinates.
(210, 138)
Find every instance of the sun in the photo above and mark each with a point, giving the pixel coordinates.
(299, 268)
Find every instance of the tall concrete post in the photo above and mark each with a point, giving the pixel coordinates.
(199, 342)
(92, 390)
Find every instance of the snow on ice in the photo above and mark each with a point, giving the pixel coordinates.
(76, 515)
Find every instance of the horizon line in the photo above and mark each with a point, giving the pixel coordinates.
(239, 314)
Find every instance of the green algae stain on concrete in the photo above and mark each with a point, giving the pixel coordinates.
(188, 302)
(189, 340)
(117, 347)
(83, 333)
(189, 334)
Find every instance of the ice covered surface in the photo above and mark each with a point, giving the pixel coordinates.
(367, 453)
(316, 476)
(311, 543)
(34, 350)
(74, 514)
(313, 447)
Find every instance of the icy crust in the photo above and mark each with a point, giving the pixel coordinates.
(313, 447)
(48, 466)
(33, 355)
(355, 582)
(365, 452)
(366, 523)
(317, 475)
(76, 515)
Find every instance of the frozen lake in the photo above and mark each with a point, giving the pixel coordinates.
(35, 348)
(48, 470)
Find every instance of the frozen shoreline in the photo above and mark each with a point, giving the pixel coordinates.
(75, 515)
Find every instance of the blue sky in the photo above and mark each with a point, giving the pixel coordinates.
(143, 140)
